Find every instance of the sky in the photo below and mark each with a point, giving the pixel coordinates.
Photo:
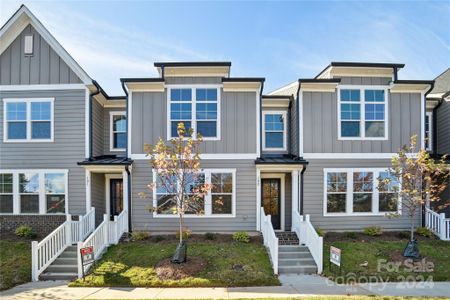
(281, 41)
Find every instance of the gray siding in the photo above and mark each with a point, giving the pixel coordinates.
(321, 127)
(245, 201)
(43, 67)
(313, 203)
(98, 196)
(443, 128)
(366, 80)
(237, 118)
(67, 149)
(107, 131)
(288, 135)
(97, 128)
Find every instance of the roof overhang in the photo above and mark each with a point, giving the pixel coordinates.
(193, 69)
(319, 85)
(410, 86)
(250, 84)
(144, 84)
(276, 101)
(359, 69)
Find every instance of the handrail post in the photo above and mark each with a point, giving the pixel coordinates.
(69, 229)
(116, 231)
(106, 237)
(442, 229)
(79, 264)
(80, 228)
(34, 261)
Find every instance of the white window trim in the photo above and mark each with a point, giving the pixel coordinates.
(349, 193)
(42, 193)
(111, 133)
(208, 203)
(28, 120)
(194, 88)
(273, 112)
(430, 129)
(282, 196)
(362, 120)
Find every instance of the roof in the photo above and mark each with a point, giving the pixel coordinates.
(243, 79)
(193, 64)
(442, 83)
(287, 90)
(277, 96)
(149, 79)
(106, 160)
(281, 160)
(360, 65)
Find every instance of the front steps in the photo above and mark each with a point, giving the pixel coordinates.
(64, 267)
(294, 258)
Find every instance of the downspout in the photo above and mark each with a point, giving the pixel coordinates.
(434, 147)
(260, 118)
(127, 169)
(126, 115)
(297, 108)
(91, 130)
(289, 116)
(301, 189)
(395, 70)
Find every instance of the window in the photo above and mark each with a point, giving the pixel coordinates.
(28, 45)
(28, 120)
(196, 108)
(357, 192)
(33, 191)
(428, 131)
(118, 129)
(218, 202)
(362, 114)
(274, 130)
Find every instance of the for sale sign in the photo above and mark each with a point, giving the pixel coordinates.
(87, 255)
(335, 256)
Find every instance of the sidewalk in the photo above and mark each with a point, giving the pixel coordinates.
(293, 286)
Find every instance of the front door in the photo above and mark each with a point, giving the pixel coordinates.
(116, 197)
(271, 200)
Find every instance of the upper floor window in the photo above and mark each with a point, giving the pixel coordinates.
(274, 132)
(197, 108)
(362, 114)
(28, 120)
(118, 130)
(428, 131)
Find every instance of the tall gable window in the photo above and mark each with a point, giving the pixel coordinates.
(28, 120)
(196, 108)
(362, 114)
(274, 133)
(429, 131)
(118, 130)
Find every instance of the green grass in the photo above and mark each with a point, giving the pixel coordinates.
(356, 252)
(131, 264)
(15, 263)
(338, 298)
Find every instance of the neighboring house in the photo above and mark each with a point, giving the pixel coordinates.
(314, 147)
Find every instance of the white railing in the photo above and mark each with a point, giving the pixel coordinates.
(438, 224)
(43, 253)
(84, 226)
(270, 239)
(118, 227)
(309, 237)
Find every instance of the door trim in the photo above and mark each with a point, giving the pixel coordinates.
(280, 176)
(108, 190)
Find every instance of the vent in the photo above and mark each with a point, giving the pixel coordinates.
(28, 49)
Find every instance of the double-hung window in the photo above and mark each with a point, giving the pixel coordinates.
(219, 201)
(196, 108)
(428, 130)
(28, 120)
(362, 114)
(118, 129)
(6, 193)
(274, 130)
(359, 192)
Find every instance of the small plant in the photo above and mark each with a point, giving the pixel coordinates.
(210, 236)
(25, 231)
(373, 231)
(320, 231)
(241, 236)
(423, 231)
(187, 233)
(140, 235)
(351, 235)
(158, 238)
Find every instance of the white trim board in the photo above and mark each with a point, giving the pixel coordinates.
(369, 155)
(283, 114)
(111, 133)
(280, 176)
(207, 156)
(42, 87)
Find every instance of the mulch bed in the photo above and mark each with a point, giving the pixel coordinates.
(218, 238)
(391, 236)
(165, 270)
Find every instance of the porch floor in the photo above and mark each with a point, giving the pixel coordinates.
(287, 238)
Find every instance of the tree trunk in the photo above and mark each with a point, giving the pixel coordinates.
(412, 229)
(181, 228)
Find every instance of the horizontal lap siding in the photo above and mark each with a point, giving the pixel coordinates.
(443, 128)
(245, 218)
(67, 149)
(313, 198)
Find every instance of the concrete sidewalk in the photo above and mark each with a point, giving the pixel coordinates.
(293, 286)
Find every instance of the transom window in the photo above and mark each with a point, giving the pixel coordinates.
(362, 114)
(196, 108)
(33, 191)
(118, 129)
(274, 130)
(357, 191)
(28, 120)
(218, 202)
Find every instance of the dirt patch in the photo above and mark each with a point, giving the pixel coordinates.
(397, 256)
(165, 270)
(195, 238)
(389, 236)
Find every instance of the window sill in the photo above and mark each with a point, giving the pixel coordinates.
(159, 216)
(362, 139)
(117, 149)
(379, 214)
(32, 214)
(28, 141)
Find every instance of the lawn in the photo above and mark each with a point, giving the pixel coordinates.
(225, 263)
(359, 249)
(15, 263)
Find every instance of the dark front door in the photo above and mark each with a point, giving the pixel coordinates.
(116, 197)
(271, 194)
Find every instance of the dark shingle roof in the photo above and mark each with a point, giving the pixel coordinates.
(106, 160)
(442, 83)
(281, 160)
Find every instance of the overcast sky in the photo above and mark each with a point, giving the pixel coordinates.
(281, 41)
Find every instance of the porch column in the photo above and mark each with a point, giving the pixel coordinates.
(88, 190)
(295, 193)
(125, 197)
(258, 199)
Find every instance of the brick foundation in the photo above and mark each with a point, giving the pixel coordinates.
(41, 224)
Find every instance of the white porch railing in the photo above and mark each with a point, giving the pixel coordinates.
(270, 239)
(83, 227)
(309, 237)
(438, 224)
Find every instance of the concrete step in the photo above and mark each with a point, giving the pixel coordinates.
(306, 269)
(62, 268)
(296, 262)
(65, 261)
(292, 248)
(294, 255)
(68, 254)
(58, 276)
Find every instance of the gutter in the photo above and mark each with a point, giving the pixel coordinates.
(91, 130)
(260, 118)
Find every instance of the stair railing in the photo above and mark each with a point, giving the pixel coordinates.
(270, 239)
(438, 224)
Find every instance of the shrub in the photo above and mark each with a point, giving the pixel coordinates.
(320, 231)
(25, 231)
(373, 230)
(140, 235)
(403, 235)
(350, 235)
(158, 238)
(241, 236)
(187, 233)
(423, 231)
(210, 236)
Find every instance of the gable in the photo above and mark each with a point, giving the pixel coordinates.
(45, 66)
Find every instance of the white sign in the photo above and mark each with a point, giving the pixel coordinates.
(335, 256)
